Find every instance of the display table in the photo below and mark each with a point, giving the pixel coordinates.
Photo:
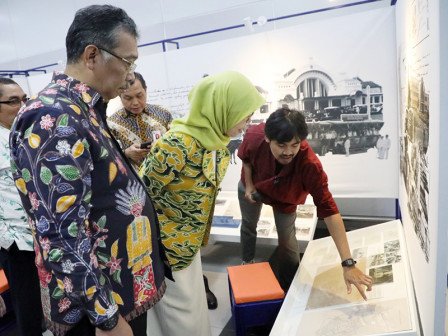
(227, 221)
(317, 302)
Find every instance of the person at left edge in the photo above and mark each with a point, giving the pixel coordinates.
(100, 261)
(16, 241)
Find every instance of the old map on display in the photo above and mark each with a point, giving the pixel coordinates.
(318, 304)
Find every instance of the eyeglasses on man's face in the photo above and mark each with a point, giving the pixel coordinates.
(131, 65)
(15, 101)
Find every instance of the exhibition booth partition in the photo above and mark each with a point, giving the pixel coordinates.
(370, 75)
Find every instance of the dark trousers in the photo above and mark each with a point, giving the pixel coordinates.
(285, 259)
(21, 272)
(85, 328)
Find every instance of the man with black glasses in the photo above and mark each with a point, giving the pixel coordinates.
(100, 260)
(11, 99)
(16, 241)
(281, 169)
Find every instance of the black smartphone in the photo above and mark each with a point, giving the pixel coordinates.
(146, 145)
(256, 196)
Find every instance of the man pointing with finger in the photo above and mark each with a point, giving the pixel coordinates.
(280, 169)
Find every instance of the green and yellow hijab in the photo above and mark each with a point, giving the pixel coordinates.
(218, 103)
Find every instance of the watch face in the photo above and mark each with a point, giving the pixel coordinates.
(109, 324)
(348, 263)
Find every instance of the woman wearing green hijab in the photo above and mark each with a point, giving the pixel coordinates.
(182, 175)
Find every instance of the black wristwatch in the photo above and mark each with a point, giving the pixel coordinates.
(348, 262)
(110, 323)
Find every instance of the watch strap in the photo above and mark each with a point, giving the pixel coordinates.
(348, 262)
(110, 323)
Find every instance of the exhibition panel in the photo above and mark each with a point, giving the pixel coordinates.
(348, 91)
(422, 70)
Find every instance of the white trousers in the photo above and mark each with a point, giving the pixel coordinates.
(183, 308)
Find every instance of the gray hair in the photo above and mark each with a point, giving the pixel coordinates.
(98, 25)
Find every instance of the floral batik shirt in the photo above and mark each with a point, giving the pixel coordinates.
(14, 226)
(96, 232)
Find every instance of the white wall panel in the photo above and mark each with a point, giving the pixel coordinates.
(342, 52)
(422, 62)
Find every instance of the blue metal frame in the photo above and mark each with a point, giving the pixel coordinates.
(397, 209)
(174, 40)
(26, 73)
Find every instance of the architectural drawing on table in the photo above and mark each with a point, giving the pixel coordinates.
(379, 318)
(320, 305)
(392, 251)
(306, 211)
(381, 275)
(264, 227)
(303, 231)
(360, 252)
(329, 288)
(377, 259)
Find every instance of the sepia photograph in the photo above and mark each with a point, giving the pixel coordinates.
(305, 210)
(377, 259)
(381, 275)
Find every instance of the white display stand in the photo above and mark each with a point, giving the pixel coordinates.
(227, 205)
(317, 302)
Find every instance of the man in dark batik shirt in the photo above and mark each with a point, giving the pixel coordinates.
(138, 122)
(100, 261)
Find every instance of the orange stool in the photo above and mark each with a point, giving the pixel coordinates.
(8, 320)
(255, 295)
(3, 282)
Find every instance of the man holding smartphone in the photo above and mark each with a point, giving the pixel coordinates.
(138, 124)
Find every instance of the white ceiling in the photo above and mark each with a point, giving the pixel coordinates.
(33, 32)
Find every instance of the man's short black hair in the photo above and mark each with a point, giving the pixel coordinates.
(5, 81)
(98, 25)
(139, 77)
(284, 125)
